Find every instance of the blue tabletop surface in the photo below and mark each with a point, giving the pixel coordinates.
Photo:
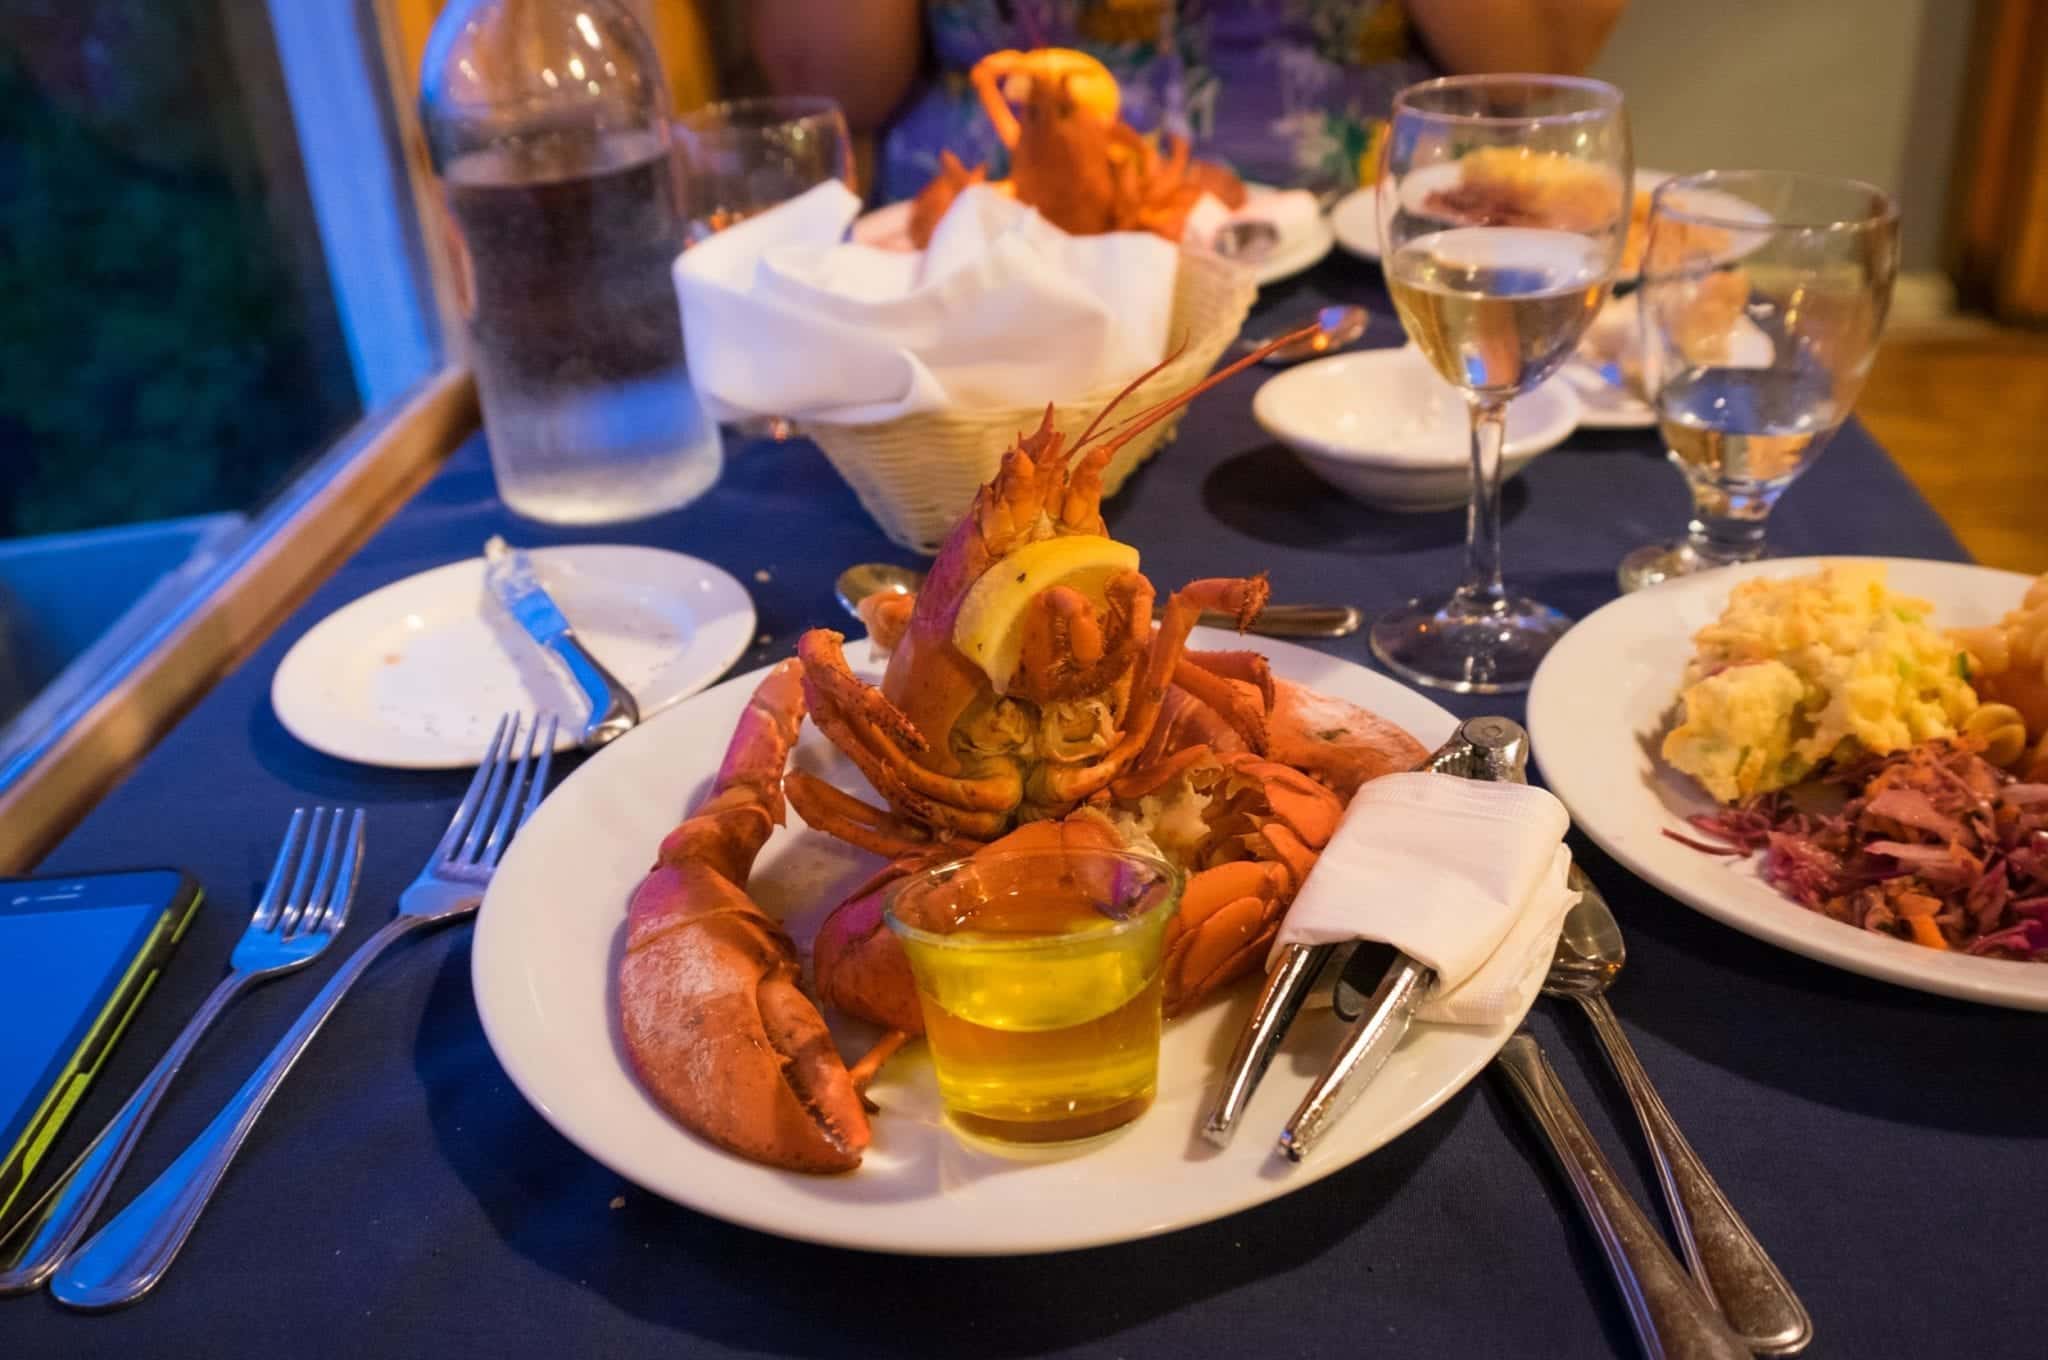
(401, 1199)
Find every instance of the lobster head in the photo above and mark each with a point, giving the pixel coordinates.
(1062, 640)
(1069, 644)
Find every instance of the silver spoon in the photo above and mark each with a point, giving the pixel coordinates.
(1336, 327)
(1247, 242)
(863, 579)
(1731, 1266)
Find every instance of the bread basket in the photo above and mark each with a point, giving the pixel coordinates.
(917, 474)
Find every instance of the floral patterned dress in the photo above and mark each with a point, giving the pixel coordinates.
(1284, 91)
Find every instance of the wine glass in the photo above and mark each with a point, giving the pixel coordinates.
(744, 156)
(1763, 296)
(1503, 203)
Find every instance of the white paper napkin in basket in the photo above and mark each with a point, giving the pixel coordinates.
(1465, 876)
(1003, 309)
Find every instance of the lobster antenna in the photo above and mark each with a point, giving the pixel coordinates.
(1130, 387)
(1146, 419)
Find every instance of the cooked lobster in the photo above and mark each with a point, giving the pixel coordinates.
(1070, 157)
(1105, 716)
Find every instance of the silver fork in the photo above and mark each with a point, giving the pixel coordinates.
(128, 1256)
(303, 907)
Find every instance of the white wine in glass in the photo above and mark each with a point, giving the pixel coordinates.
(1503, 204)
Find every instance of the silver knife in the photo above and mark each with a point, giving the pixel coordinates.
(1672, 1319)
(509, 576)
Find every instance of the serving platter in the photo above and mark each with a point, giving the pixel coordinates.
(548, 941)
(1599, 708)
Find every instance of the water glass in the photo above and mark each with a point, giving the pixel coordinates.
(1039, 975)
(744, 156)
(1503, 204)
(1764, 293)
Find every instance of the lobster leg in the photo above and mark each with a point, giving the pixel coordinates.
(1234, 702)
(890, 772)
(888, 619)
(844, 817)
(874, 734)
(1240, 597)
(1227, 919)
(713, 1020)
(1282, 819)
(1251, 668)
(1068, 650)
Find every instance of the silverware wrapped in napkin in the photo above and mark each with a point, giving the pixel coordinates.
(1474, 958)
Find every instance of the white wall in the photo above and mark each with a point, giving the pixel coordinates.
(1866, 88)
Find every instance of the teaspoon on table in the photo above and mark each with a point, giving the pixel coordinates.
(1723, 1255)
(1336, 327)
(863, 579)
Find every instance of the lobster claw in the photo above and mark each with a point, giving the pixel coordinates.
(718, 1031)
(713, 1021)
(860, 967)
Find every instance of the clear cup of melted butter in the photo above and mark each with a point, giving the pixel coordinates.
(1038, 971)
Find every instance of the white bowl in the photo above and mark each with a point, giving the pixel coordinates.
(1382, 427)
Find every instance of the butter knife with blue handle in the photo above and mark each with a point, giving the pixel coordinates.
(510, 578)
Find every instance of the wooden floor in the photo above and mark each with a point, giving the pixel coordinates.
(1964, 409)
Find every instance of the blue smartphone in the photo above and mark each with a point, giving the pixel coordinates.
(77, 956)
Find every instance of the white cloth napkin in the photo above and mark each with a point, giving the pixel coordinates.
(1003, 309)
(1291, 211)
(1467, 877)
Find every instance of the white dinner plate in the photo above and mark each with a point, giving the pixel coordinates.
(888, 228)
(547, 946)
(1598, 711)
(416, 675)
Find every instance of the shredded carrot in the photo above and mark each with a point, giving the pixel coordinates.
(1926, 932)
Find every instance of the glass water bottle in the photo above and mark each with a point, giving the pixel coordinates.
(548, 122)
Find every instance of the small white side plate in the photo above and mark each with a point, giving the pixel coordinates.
(1598, 711)
(414, 676)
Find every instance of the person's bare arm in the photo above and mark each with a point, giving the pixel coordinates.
(1472, 37)
(863, 53)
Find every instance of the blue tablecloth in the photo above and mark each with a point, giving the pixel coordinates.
(401, 1199)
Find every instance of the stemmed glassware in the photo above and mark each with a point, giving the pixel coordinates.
(1763, 296)
(744, 156)
(1495, 287)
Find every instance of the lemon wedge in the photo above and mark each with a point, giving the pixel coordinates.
(989, 629)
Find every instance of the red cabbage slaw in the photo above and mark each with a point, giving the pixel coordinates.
(1934, 845)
